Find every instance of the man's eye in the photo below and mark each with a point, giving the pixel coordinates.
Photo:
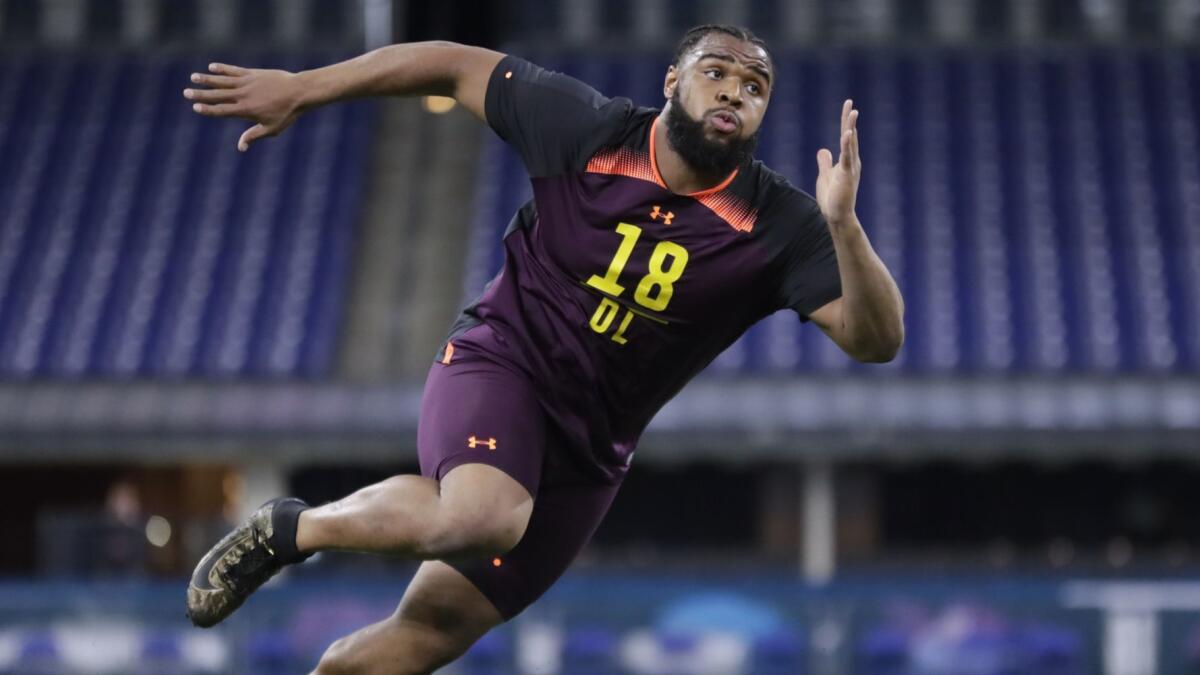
(752, 88)
(713, 73)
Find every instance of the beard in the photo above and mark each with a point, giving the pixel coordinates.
(709, 157)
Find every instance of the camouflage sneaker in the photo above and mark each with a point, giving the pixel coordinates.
(233, 569)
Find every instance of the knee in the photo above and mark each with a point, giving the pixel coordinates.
(498, 536)
(337, 660)
(478, 533)
(417, 655)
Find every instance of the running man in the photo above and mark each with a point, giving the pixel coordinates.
(653, 240)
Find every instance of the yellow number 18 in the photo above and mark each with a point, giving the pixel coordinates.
(662, 276)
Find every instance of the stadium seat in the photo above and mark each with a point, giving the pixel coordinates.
(270, 652)
(162, 652)
(590, 651)
(883, 651)
(39, 655)
(780, 653)
(1050, 650)
(493, 653)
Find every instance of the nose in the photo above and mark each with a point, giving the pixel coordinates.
(731, 95)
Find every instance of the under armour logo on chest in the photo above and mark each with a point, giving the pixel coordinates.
(665, 216)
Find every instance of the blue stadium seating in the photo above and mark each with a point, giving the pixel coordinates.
(974, 640)
(779, 653)
(136, 242)
(39, 654)
(1041, 212)
(271, 653)
(161, 652)
(593, 623)
(592, 650)
(493, 653)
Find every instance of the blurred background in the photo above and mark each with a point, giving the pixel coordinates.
(186, 331)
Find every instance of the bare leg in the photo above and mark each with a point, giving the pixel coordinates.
(441, 615)
(476, 509)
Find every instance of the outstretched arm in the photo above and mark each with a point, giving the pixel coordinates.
(867, 322)
(273, 99)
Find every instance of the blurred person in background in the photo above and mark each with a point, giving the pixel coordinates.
(122, 530)
(653, 241)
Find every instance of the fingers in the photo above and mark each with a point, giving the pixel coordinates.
(220, 81)
(221, 88)
(226, 69)
(849, 140)
(846, 158)
(824, 161)
(217, 109)
(211, 95)
(250, 135)
(854, 134)
(224, 84)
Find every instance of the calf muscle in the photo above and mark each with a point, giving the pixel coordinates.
(441, 615)
(475, 510)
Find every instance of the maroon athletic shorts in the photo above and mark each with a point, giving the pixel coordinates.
(476, 410)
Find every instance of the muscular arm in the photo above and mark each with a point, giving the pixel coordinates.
(419, 68)
(867, 322)
(273, 99)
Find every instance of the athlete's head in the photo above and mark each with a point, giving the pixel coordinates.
(717, 93)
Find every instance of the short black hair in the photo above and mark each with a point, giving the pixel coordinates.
(694, 35)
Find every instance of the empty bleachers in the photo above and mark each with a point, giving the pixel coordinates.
(1041, 212)
(136, 242)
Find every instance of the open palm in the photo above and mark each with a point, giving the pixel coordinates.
(837, 184)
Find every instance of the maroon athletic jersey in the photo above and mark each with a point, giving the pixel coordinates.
(616, 291)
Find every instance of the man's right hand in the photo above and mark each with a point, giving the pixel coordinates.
(272, 99)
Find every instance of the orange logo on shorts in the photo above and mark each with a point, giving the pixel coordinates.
(472, 442)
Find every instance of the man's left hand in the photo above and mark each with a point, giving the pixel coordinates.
(837, 184)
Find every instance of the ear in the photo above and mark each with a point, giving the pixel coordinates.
(670, 82)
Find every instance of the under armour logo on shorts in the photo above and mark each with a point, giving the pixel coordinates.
(473, 442)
